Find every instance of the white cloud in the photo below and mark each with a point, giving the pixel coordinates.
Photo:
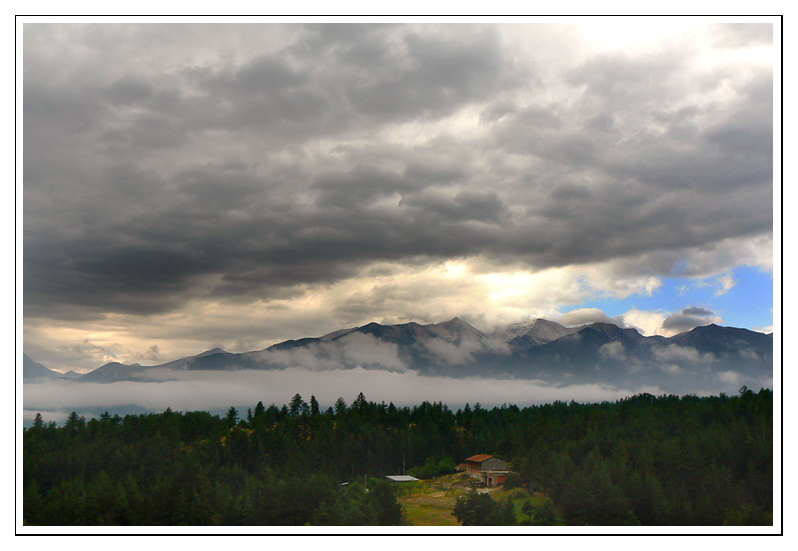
(731, 377)
(646, 322)
(749, 354)
(726, 282)
(673, 369)
(582, 316)
(367, 350)
(612, 351)
(676, 353)
(217, 391)
(311, 357)
(354, 349)
(451, 353)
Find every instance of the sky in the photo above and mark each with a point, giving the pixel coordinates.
(187, 187)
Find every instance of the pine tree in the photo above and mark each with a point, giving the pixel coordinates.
(297, 405)
(314, 406)
(231, 419)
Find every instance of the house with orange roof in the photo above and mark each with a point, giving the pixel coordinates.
(488, 469)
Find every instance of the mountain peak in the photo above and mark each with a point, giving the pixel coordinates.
(454, 322)
(455, 329)
(212, 351)
(113, 364)
(33, 370)
(542, 321)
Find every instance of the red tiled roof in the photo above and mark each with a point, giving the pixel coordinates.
(479, 458)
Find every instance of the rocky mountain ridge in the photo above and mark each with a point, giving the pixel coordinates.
(598, 353)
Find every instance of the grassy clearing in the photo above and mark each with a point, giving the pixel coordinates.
(430, 502)
(519, 496)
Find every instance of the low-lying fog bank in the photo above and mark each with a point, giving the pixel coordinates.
(217, 391)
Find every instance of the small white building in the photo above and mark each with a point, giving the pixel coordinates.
(402, 478)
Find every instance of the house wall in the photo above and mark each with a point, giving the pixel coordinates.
(494, 464)
(491, 471)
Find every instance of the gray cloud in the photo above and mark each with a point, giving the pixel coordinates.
(218, 391)
(689, 318)
(239, 169)
(582, 316)
(129, 90)
(355, 349)
(354, 190)
(676, 353)
(439, 208)
(696, 311)
(734, 35)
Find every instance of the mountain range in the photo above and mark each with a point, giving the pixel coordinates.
(35, 370)
(598, 353)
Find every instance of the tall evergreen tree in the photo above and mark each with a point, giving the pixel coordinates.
(314, 406)
(297, 405)
(231, 418)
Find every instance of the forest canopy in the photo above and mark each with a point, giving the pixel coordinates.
(644, 460)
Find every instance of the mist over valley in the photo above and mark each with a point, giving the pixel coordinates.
(453, 362)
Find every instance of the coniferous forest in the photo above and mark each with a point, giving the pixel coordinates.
(644, 460)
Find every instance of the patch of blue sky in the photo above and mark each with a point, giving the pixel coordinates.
(748, 302)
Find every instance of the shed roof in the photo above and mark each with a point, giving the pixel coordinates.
(479, 458)
(402, 478)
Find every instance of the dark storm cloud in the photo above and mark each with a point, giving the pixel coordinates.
(435, 208)
(688, 318)
(359, 187)
(264, 91)
(220, 187)
(696, 311)
(437, 75)
(398, 72)
(148, 181)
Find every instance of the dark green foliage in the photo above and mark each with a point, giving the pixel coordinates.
(544, 515)
(382, 500)
(297, 406)
(433, 468)
(512, 480)
(655, 461)
(644, 460)
(314, 406)
(356, 505)
(231, 419)
(528, 509)
(477, 509)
